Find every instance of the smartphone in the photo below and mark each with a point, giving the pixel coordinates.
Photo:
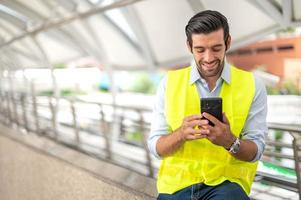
(213, 106)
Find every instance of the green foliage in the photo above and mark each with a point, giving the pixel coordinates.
(291, 88)
(287, 88)
(134, 136)
(290, 30)
(272, 90)
(143, 84)
(289, 173)
(103, 90)
(46, 93)
(59, 66)
(63, 93)
(278, 137)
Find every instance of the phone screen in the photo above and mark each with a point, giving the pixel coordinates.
(213, 106)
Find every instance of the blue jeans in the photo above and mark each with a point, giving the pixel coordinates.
(224, 191)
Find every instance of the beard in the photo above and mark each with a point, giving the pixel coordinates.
(211, 69)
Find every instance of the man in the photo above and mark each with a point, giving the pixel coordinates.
(200, 161)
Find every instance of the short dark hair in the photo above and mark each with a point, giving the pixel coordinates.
(206, 22)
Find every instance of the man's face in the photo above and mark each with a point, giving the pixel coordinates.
(209, 53)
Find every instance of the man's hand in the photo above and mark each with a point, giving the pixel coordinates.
(168, 144)
(188, 130)
(219, 134)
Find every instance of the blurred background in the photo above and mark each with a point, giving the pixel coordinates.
(80, 76)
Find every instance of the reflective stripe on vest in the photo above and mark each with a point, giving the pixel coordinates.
(200, 161)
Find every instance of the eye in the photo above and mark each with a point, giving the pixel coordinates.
(216, 49)
(200, 50)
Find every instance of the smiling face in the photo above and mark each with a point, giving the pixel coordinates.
(209, 53)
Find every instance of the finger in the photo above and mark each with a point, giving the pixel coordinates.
(206, 130)
(191, 131)
(192, 134)
(199, 136)
(210, 129)
(198, 122)
(225, 119)
(206, 127)
(200, 131)
(196, 136)
(211, 118)
(204, 122)
(193, 117)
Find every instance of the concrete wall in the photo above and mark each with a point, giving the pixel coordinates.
(35, 168)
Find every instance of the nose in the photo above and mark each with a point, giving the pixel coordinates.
(208, 56)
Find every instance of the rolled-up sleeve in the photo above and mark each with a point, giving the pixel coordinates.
(255, 128)
(159, 126)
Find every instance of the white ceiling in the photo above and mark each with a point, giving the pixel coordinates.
(126, 34)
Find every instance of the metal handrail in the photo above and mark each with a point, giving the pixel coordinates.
(18, 113)
(295, 132)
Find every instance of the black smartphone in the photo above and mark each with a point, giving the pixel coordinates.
(213, 106)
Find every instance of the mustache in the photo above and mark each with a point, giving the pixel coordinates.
(214, 61)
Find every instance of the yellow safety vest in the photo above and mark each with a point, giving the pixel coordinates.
(200, 161)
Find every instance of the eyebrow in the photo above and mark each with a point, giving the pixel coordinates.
(214, 46)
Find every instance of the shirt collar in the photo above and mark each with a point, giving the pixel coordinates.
(194, 73)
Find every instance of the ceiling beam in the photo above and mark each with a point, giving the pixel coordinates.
(271, 10)
(119, 30)
(13, 20)
(136, 25)
(196, 5)
(68, 19)
(25, 54)
(287, 8)
(67, 4)
(122, 33)
(254, 37)
(23, 9)
(56, 34)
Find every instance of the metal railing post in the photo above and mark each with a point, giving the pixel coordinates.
(2, 109)
(35, 107)
(14, 109)
(53, 118)
(144, 141)
(9, 113)
(104, 127)
(75, 124)
(295, 133)
(25, 121)
(297, 157)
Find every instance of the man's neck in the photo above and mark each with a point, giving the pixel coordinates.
(211, 81)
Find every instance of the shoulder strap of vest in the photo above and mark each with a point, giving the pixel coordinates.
(177, 88)
(240, 92)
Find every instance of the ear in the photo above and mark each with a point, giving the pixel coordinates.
(188, 46)
(228, 43)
